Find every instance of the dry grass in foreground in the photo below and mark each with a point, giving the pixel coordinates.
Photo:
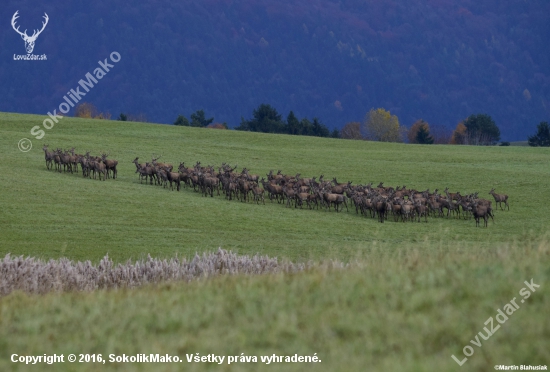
(35, 276)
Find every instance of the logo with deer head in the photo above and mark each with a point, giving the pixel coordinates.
(29, 40)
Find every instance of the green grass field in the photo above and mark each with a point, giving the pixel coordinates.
(47, 214)
(402, 310)
(420, 293)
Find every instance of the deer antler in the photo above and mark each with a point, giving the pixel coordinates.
(15, 16)
(36, 32)
(24, 34)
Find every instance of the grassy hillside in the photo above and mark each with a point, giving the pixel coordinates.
(48, 214)
(416, 294)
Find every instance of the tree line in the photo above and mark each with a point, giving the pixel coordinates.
(378, 125)
(478, 129)
(266, 119)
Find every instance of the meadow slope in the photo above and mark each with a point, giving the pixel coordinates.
(48, 215)
(416, 293)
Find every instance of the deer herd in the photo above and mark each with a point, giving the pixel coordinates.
(90, 165)
(399, 203)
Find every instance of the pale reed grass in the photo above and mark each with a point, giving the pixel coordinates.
(35, 276)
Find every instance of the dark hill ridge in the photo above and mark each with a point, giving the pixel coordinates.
(437, 60)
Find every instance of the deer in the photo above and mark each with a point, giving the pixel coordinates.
(29, 40)
(101, 168)
(447, 203)
(57, 159)
(407, 211)
(48, 156)
(173, 177)
(302, 197)
(335, 199)
(231, 188)
(273, 190)
(452, 195)
(147, 171)
(396, 208)
(161, 176)
(380, 205)
(421, 210)
(110, 164)
(289, 193)
(209, 183)
(258, 193)
(481, 211)
(499, 198)
(340, 187)
(184, 174)
(83, 161)
(138, 165)
(166, 166)
(250, 177)
(466, 207)
(271, 176)
(65, 159)
(73, 159)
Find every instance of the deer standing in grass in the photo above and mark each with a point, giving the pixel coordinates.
(481, 211)
(110, 164)
(499, 198)
(49, 156)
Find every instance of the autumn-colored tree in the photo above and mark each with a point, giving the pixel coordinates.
(89, 111)
(351, 130)
(459, 135)
(85, 110)
(381, 125)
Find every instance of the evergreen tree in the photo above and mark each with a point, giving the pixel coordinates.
(423, 136)
(198, 119)
(265, 119)
(306, 129)
(481, 130)
(182, 120)
(292, 124)
(319, 130)
(542, 137)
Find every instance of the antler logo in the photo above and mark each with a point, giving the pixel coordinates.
(29, 40)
